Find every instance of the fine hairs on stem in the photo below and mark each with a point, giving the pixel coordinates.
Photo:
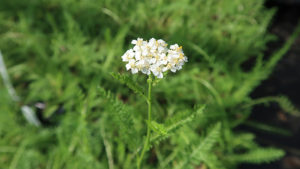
(147, 141)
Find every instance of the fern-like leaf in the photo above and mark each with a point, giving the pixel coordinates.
(199, 152)
(120, 115)
(212, 161)
(257, 75)
(210, 140)
(124, 79)
(177, 123)
(283, 102)
(257, 156)
(158, 128)
(268, 128)
(198, 112)
(287, 105)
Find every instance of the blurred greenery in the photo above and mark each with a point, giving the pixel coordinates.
(62, 53)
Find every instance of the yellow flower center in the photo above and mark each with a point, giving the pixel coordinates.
(178, 49)
(180, 56)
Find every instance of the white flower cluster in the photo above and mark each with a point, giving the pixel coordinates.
(154, 56)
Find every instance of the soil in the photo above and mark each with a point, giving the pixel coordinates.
(285, 80)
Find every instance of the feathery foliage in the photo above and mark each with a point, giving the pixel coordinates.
(125, 79)
(200, 151)
(257, 156)
(59, 57)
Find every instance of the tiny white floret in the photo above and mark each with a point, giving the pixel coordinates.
(154, 57)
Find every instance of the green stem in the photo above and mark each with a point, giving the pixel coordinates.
(146, 145)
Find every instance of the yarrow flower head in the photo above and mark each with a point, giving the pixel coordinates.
(154, 57)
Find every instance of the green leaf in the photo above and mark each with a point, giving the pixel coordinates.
(158, 128)
(212, 161)
(257, 156)
(184, 120)
(257, 75)
(210, 140)
(124, 79)
(268, 128)
(50, 110)
(119, 114)
(204, 147)
(287, 105)
(283, 102)
(178, 122)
